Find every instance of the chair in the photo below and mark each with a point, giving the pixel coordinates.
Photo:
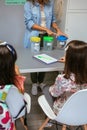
(27, 98)
(73, 113)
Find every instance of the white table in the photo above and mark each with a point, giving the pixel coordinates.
(28, 64)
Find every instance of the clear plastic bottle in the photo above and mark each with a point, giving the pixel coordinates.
(35, 44)
(48, 43)
(62, 41)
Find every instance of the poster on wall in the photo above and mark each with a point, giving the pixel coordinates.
(14, 2)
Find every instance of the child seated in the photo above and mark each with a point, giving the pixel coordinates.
(11, 88)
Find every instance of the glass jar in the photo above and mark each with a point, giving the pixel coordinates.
(48, 43)
(35, 44)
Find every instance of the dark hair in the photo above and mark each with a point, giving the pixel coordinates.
(76, 61)
(8, 57)
(43, 1)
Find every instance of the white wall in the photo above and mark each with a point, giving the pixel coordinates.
(12, 23)
(76, 20)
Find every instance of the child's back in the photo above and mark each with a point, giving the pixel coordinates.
(6, 120)
(75, 73)
(12, 104)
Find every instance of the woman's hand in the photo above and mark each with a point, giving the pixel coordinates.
(49, 32)
(59, 32)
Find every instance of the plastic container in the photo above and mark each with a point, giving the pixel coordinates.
(48, 43)
(62, 40)
(35, 44)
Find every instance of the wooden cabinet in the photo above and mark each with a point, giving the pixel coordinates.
(76, 19)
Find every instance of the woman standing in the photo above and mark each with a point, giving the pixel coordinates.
(39, 18)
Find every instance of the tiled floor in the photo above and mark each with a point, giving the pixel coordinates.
(36, 116)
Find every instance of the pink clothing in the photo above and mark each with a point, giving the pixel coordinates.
(63, 89)
(19, 82)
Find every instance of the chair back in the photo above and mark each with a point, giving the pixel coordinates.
(74, 111)
(46, 107)
(28, 101)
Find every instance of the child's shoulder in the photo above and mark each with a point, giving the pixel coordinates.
(64, 81)
(4, 89)
(60, 76)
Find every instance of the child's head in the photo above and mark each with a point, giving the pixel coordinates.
(8, 57)
(76, 61)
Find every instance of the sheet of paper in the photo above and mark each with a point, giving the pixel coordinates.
(45, 58)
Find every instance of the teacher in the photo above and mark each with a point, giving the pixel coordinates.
(39, 19)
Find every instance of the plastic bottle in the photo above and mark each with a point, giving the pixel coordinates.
(62, 40)
(48, 43)
(35, 44)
